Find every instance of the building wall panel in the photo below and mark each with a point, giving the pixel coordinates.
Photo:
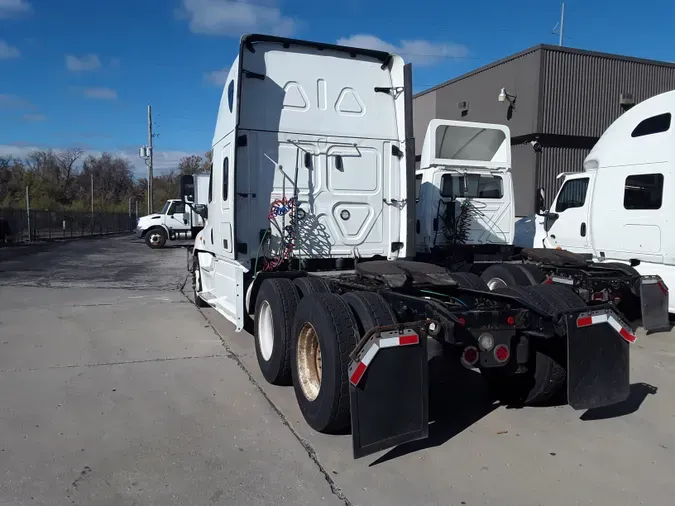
(581, 91)
(523, 168)
(520, 77)
(555, 160)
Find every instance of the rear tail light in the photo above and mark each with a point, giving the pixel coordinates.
(502, 353)
(470, 356)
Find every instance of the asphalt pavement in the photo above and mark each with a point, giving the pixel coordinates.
(117, 390)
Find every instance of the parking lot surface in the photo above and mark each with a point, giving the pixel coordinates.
(117, 390)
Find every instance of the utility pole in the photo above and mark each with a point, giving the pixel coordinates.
(28, 211)
(150, 159)
(92, 202)
(562, 24)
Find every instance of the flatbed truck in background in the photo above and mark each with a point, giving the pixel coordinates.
(176, 220)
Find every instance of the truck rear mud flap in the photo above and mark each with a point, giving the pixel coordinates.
(389, 388)
(597, 359)
(654, 302)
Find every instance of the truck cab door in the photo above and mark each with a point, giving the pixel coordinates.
(175, 217)
(566, 226)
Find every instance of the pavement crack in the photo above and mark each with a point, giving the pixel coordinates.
(120, 362)
(311, 453)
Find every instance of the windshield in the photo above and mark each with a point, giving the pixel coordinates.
(165, 208)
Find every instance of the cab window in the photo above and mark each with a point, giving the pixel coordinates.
(418, 186)
(572, 194)
(480, 186)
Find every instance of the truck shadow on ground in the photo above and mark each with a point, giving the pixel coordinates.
(638, 394)
(451, 409)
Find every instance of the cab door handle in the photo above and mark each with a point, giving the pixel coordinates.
(583, 229)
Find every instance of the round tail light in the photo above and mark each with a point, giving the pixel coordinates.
(502, 353)
(470, 356)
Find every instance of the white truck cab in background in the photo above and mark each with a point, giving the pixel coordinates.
(465, 161)
(176, 220)
(618, 209)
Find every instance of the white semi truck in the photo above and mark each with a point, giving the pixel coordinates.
(466, 222)
(176, 220)
(310, 227)
(617, 210)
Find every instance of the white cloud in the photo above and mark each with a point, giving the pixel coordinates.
(419, 52)
(217, 77)
(233, 18)
(8, 52)
(10, 8)
(8, 101)
(34, 117)
(83, 64)
(164, 160)
(100, 93)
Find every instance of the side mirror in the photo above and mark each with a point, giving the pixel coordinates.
(202, 210)
(540, 202)
(187, 188)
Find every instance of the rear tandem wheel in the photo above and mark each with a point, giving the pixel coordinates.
(546, 374)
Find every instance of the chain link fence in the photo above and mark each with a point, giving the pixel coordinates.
(50, 225)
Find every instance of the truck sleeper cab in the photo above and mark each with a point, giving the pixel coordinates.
(308, 225)
(617, 210)
(465, 169)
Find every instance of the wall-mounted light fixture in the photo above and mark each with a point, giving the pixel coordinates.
(505, 96)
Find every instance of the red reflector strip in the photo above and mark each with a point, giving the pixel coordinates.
(584, 321)
(358, 373)
(409, 339)
(663, 288)
(627, 335)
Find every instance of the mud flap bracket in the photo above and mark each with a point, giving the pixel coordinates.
(389, 388)
(597, 359)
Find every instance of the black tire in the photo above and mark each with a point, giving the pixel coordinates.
(534, 273)
(310, 285)
(546, 375)
(469, 280)
(277, 299)
(505, 275)
(337, 332)
(156, 237)
(370, 309)
(197, 284)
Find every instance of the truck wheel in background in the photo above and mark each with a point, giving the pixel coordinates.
(275, 305)
(469, 280)
(534, 273)
(370, 309)
(197, 283)
(156, 237)
(324, 333)
(310, 285)
(546, 373)
(503, 275)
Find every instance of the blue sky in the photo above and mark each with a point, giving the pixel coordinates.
(80, 73)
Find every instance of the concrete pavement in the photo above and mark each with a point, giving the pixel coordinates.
(128, 396)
